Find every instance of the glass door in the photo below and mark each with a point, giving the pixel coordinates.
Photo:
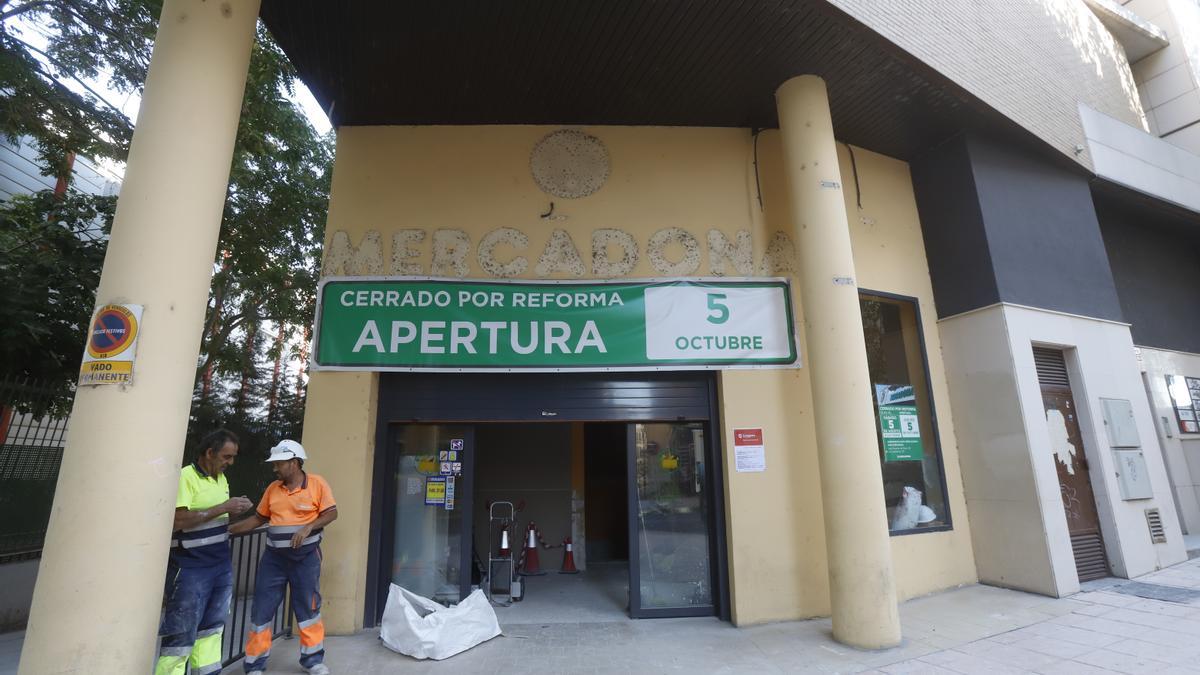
(670, 553)
(432, 474)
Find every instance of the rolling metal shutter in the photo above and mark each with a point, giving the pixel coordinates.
(546, 397)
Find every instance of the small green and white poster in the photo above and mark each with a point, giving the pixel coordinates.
(898, 422)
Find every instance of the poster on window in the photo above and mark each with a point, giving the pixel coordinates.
(898, 422)
(1185, 397)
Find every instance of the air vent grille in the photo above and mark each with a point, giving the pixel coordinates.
(1157, 534)
(1051, 367)
(1090, 561)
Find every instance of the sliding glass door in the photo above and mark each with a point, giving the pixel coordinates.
(670, 550)
(431, 554)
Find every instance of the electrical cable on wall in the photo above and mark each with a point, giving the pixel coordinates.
(854, 170)
(757, 185)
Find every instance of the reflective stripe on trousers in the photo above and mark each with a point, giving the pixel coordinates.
(205, 657)
(276, 572)
(197, 604)
(258, 645)
(312, 635)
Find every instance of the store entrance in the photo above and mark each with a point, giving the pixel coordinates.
(625, 466)
(486, 505)
(568, 481)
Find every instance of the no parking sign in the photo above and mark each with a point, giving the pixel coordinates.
(111, 345)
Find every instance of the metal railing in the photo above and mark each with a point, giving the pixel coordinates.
(33, 431)
(247, 554)
(32, 436)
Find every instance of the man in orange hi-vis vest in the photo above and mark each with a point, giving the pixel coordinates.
(296, 509)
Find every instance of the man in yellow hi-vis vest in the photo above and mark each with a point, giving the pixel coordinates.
(200, 575)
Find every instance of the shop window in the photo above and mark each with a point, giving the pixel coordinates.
(914, 484)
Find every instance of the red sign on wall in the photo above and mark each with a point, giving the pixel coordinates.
(749, 453)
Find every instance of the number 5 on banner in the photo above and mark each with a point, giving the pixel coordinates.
(721, 309)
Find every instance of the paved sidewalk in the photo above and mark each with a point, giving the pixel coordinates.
(1151, 624)
(975, 629)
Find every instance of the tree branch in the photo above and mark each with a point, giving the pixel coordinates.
(88, 22)
(120, 115)
(221, 337)
(23, 8)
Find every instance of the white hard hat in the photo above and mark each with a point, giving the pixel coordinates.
(285, 450)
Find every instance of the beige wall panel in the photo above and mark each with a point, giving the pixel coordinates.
(774, 517)
(1006, 516)
(477, 179)
(339, 437)
(889, 256)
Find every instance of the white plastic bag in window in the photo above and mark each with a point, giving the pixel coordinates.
(424, 629)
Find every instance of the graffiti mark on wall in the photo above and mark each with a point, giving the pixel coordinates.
(1070, 502)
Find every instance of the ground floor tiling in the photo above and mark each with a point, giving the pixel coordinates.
(974, 629)
(1110, 626)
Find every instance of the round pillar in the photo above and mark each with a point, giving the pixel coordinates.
(861, 585)
(99, 588)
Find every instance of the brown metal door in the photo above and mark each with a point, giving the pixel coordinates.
(1066, 442)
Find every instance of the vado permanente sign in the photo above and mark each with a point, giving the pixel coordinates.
(452, 324)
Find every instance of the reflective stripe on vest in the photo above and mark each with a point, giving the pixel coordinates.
(280, 536)
(210, 532)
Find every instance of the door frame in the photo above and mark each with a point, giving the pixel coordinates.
(382, 518)
(384, 525)
(1073, 376)
(716, 561)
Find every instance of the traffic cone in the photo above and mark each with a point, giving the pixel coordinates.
(568, 565)
(531, 566)
(505, 551)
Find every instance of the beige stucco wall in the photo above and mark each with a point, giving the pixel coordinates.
(339, 437)
(1032, 60)
(470, 181)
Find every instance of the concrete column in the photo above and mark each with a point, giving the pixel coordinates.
(96, 603)
(861, 586)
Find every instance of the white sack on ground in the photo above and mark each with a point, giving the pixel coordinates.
(424, 629)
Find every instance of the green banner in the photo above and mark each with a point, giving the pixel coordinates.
(899, 425)
(420, 324)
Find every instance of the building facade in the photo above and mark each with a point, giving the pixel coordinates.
(977, 231)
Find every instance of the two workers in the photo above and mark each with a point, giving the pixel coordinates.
(296, 508)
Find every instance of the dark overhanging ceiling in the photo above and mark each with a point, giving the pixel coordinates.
(1148, 212)
(620, 62)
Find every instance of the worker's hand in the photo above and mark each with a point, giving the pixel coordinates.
(238, 505)
(299, 537)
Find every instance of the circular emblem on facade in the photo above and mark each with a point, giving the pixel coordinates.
(112, 332)
(569, 164)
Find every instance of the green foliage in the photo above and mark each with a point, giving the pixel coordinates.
(51, 250)
(85, 39)
(267, 262)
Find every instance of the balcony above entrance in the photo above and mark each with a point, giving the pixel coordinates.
(616, 62)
